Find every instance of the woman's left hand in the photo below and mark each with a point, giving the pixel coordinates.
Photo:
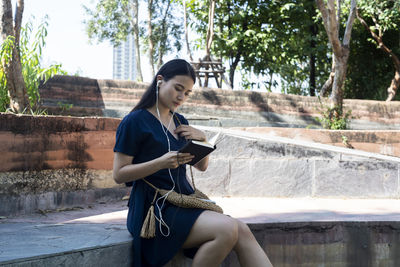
(190, 132)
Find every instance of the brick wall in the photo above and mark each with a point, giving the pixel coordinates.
(53, 161)
(215, 107)
(50, 162)
(30, 143)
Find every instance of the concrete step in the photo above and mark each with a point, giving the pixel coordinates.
(294, 232)
(63, 244)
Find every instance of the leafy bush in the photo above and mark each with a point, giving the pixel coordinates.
(333, 118)
(32, 71)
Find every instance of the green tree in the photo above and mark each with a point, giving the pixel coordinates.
(11, 63)
(114, 20)
(31, 46)
(269, 39)
(167, 29)
(380, 17)
(370, 70)
(160, 33)
(331, 15)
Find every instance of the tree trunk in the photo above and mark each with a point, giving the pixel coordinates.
(395, 84)
(15, 81)
(313, 31)
(164, 36)
(312, 74)
(189, 51)
(135, 26)
(151, 43)
(233, 69)
(210, 29)
(340, 49)
(329, 82)
(338, 82)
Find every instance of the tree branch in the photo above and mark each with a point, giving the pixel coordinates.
(185, 17)
(349, 24)
(330, 24)
(377, 38)
(163, 36)
(210, 31)
(134, 22)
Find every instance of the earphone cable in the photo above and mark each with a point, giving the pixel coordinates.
(160, 219)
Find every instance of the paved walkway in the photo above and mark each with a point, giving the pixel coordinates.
(103, 224)
(250, 210)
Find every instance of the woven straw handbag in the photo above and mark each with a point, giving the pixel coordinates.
(197, 200)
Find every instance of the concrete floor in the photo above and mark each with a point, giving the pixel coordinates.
(50, 232)
(249, 210)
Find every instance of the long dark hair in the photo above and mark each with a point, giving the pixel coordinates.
(169, 70)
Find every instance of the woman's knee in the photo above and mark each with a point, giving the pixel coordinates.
(244, 230)
(228, 231)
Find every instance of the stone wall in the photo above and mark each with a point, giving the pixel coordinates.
(328, 244)
(385, 142)
(254, 165)
(53, 161)
(213, 107)
(49, 162)
(305, 244)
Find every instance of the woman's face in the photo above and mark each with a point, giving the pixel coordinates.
(175, 91)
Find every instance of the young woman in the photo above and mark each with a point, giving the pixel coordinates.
(147, 142)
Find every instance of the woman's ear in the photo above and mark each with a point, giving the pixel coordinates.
(159, 79)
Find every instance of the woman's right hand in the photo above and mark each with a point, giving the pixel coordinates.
(172, 159)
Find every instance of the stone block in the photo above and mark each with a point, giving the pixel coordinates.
(356, 179)
(215, 180)
(270, 178)
(29, 203)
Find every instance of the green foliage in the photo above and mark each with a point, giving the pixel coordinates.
(366, 58)
(5, 58)
(386, 13)
(167, 28)
(369, 70)
(109, 20)
(112, 20)
(269, 38)
(333, 118)
(30, 53)
(64, 106)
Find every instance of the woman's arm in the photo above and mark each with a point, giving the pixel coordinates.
(124, 171)
(202, 165)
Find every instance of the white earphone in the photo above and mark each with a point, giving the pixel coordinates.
(164, 197)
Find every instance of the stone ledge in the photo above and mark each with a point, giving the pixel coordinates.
(267, 108)
(12, 205)
(65, 244)
(294, 232)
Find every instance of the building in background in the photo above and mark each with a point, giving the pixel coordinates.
(124, 62)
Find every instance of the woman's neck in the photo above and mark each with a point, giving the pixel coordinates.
(164, 112)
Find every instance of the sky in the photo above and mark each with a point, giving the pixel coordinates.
(67, 42)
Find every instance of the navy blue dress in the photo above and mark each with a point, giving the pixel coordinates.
(140, 135)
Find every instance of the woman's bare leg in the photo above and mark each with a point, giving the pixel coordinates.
(248, 250)
(215, 234)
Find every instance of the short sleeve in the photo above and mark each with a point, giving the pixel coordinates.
(128, 137)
